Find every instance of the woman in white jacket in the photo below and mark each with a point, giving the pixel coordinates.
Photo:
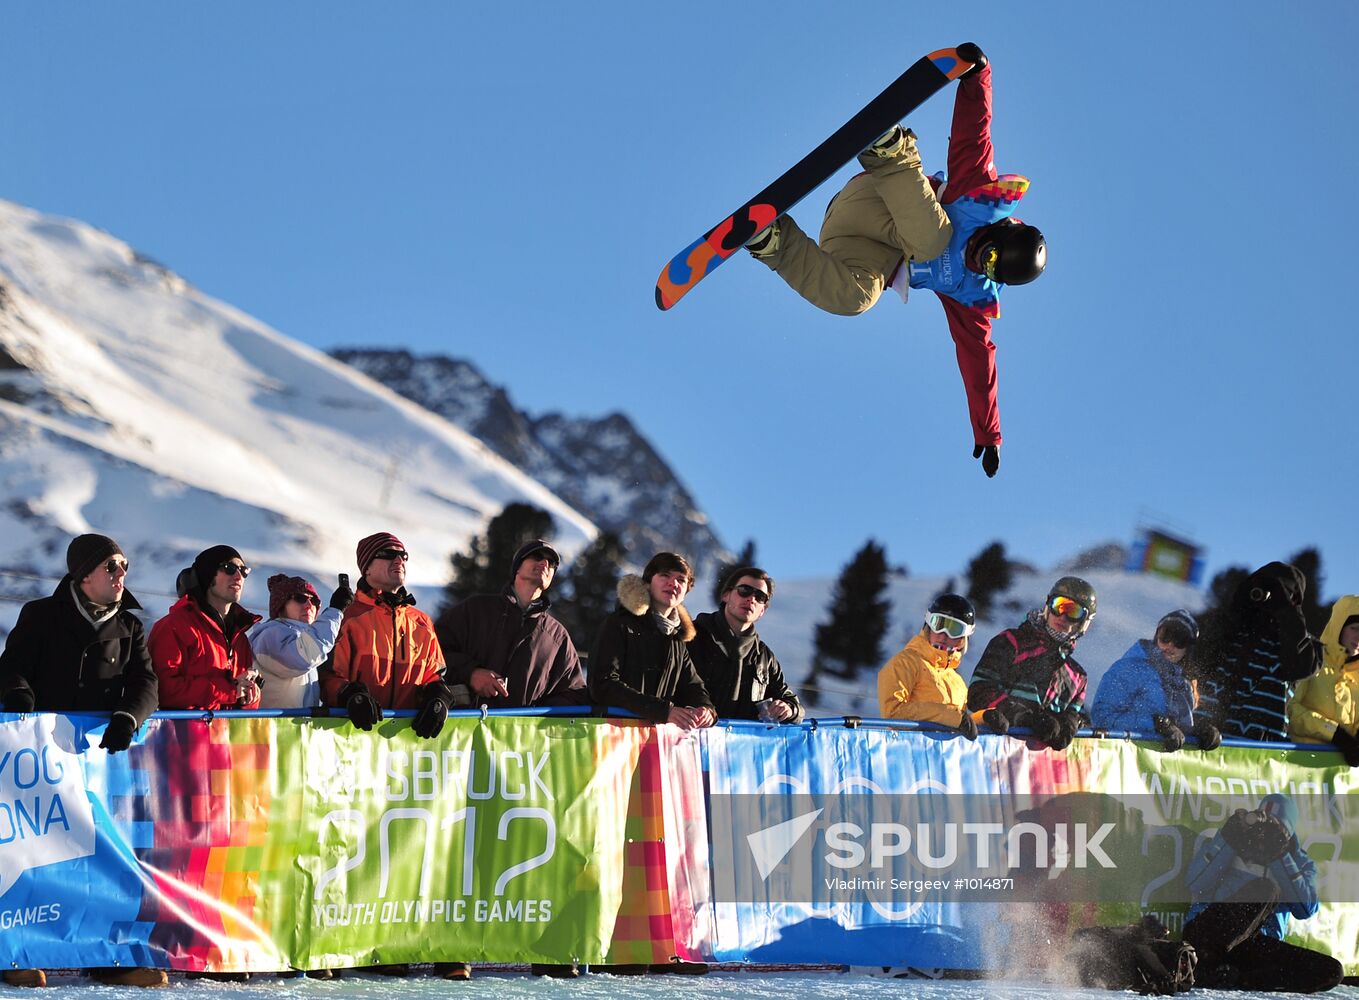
(294, 642)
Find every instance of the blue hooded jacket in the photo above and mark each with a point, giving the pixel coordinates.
(1218, 872)
(1140, 684)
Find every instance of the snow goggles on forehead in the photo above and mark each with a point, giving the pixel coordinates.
(1065, 607)
(952, 627)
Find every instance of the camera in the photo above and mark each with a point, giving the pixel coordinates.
(1258, 594)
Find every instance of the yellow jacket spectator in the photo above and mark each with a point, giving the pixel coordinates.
(921, 682)
(1325, 706)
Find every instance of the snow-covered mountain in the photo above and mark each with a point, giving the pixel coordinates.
(601, 466)
(134, 405)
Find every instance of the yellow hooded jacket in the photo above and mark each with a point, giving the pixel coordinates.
(1330, 697)
(922, 683)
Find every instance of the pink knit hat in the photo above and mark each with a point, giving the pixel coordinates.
(282, 586)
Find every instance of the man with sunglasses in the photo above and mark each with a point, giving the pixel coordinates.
(200, 650)
(741, 673)
(387, 655)
(83, 650)
(921, 682)
(894, 227)
(1027, 676)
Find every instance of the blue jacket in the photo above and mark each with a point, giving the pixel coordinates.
(288, 654)
(1140, 684)
(1217, 872)
(947, 274)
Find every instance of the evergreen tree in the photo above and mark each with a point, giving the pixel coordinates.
(485, 567)
(851, 638)
(1214, 620)
(1313, 611)
(989, 574)
(746, 558)
(591, 589)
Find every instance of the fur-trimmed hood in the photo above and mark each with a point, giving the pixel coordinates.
(634, 597)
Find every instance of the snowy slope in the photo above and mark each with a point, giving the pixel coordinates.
(135, 405)
(1130, 604)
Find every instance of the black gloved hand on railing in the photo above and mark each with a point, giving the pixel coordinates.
(362, 707)
(432, 716)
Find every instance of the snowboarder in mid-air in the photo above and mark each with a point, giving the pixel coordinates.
(894, 227)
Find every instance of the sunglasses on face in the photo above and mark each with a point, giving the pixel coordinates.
(113, 567)
(954, 628)
(306, 599)
(234, 569)
(401, 554)
(1176, 637)
(746, 590)
(1065, 607)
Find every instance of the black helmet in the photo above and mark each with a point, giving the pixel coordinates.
(955, 606)
(1008, 251)
(1076, 589)
(952, 614)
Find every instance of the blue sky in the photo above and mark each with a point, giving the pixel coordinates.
(504, 182)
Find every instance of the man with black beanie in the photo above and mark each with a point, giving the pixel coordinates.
(508, 648)
(510, 652)
(83, 650)
(200, 649)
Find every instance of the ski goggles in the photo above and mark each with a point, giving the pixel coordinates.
(952, 627)
(1065, 607)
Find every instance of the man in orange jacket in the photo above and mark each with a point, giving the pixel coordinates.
(387, 655)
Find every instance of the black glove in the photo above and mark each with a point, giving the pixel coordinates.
(1047, 728)
(341, 597)
(990, 456)
(19, 700)
(967, 725)
(118, 733)
(1171, 734)
(1005, 713)
(434, 714)
(1208, 736)
(1347, 745)
(971, 52)
(1069, 723)
(363, 709)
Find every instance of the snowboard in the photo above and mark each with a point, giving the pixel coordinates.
(925, 78)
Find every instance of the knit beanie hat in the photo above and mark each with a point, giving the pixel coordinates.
(528, 549)
(86, 552)
(369, 547)
(206, 562)
(1181, 624)
(282, 587)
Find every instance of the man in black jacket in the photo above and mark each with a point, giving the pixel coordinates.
(82, 650)
(740, 672)
(507, 648)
